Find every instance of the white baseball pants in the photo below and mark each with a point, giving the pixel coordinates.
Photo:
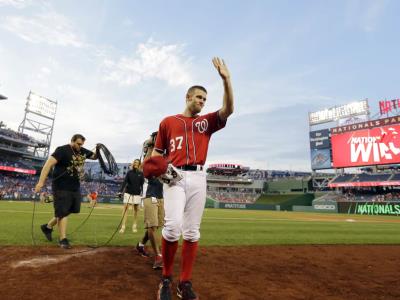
(184, 204)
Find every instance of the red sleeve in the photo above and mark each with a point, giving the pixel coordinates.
(161, 144)
(214, 121)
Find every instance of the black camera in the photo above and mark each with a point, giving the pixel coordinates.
(154, 136)
(149, 143)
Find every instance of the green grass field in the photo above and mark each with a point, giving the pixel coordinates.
(219, 227)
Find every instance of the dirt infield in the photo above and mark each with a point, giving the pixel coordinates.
(255, 272)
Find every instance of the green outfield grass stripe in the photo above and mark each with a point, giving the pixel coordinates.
(246, 219)
(51, 212)
(303, 220)
(222, 227)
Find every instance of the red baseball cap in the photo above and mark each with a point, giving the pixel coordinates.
(154, 166)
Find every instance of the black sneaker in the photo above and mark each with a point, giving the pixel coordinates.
(164, 289)
(47, 232)
(64, 243)
(185, 291)
(141, 250)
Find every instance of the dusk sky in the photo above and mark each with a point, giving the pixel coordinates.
(116, 68)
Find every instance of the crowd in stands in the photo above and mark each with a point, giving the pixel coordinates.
(15, 164)
(20, 149)
(102, 188)
(21, 186)
(365, 195)
(13, 186)
(242, 178)
(18, 186)
(233, 197)
(258, 175)
(367, 177)
(16, 135)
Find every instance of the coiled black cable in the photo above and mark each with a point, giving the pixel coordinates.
(106, 160)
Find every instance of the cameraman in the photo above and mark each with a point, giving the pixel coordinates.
(153, 210)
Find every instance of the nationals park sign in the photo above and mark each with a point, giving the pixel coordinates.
(374, 142)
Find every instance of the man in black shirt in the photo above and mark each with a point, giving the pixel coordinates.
(68, 162)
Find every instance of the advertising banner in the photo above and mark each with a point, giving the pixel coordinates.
(247, 206)
(18, 170)
(370, 208)
(366, 125)
(320, 139)
(375, 146)
(320, 159)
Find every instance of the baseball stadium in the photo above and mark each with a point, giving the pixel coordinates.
(331, 233)
(186, 150)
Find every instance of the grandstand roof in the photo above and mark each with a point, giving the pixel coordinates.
(226, 169)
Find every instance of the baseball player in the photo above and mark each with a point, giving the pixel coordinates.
(184, 139)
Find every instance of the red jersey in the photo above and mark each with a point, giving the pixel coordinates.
(93, 195)
(185, 139)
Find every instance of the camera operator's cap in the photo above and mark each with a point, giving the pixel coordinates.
(154, 166)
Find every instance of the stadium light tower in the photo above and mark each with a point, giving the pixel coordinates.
(39, 118)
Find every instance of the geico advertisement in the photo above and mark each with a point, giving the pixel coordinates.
(380, 145)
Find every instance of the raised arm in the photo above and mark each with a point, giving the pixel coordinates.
(227, 104)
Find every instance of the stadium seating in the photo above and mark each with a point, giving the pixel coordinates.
(365, 177)
(15, 163)
(343, 178)
(16, 186)
(15, 136)
(233, 197)
(395, 177)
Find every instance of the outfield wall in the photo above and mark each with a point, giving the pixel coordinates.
(317, 208)
(248, 206)
(370, 208)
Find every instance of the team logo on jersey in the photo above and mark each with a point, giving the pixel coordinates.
(202, 125)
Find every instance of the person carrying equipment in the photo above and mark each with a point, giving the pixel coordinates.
(68, 162)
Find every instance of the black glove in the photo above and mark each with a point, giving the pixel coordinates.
(119, 195)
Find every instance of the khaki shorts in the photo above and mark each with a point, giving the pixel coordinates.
(153, 212)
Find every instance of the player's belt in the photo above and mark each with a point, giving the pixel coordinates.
(191, 168)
